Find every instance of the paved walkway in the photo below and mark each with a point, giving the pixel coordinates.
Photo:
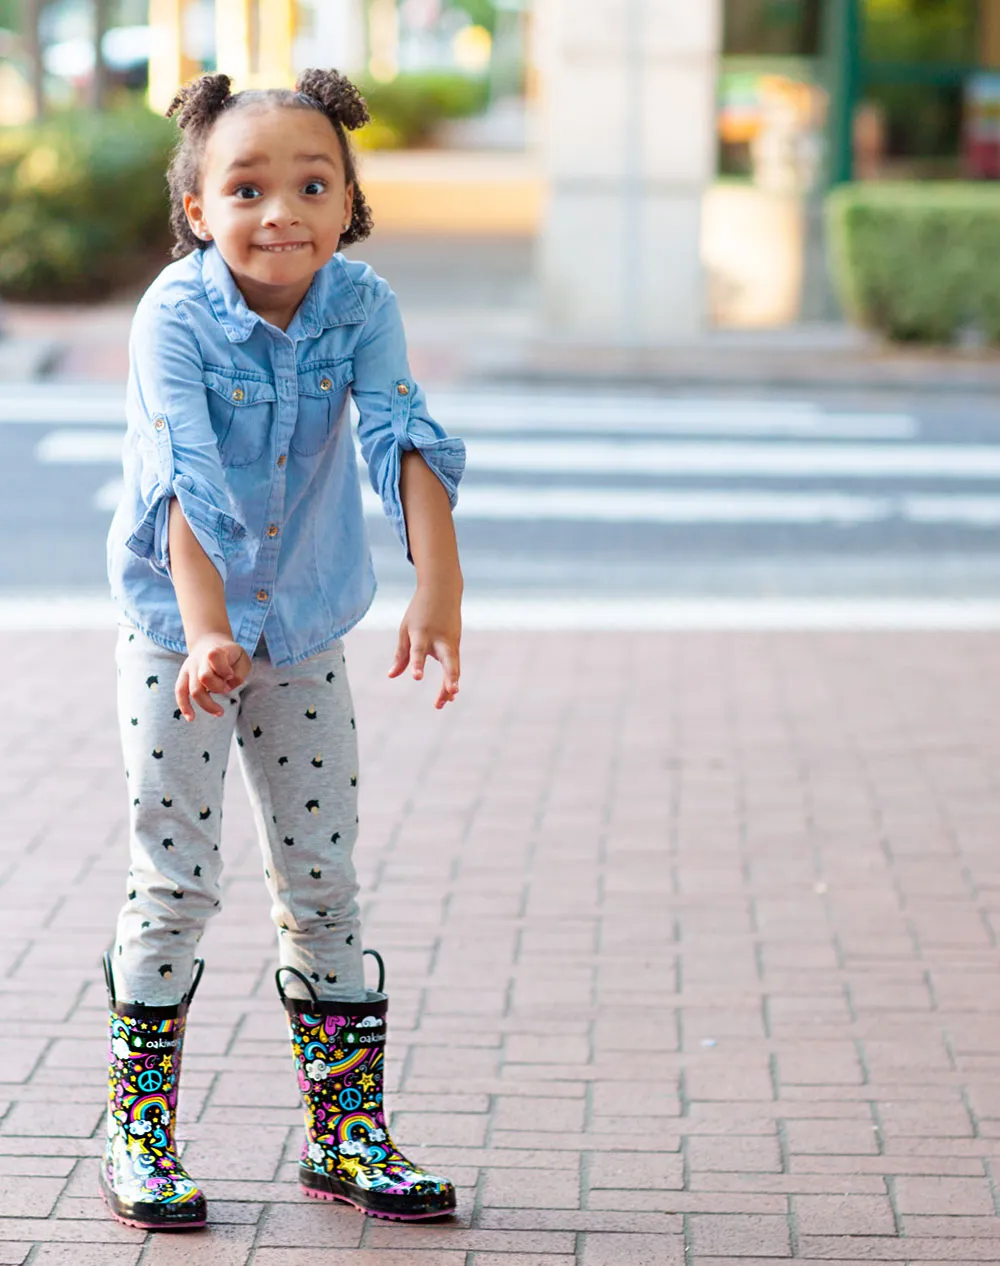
(692, 948)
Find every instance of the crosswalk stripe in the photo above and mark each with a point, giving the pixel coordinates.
(523, 456)
(471, 415)
(80, 447)
(497, 412)
(723, 505)
(857, 461)
(602, 505)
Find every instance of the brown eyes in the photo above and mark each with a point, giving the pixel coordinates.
(311, 187)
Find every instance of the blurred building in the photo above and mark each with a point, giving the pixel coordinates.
(815, 92)
(670, 157)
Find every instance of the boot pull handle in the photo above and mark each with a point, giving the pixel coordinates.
(381, 967)
(308, 983)
(305, 980)
(109, 978)
(199, 968)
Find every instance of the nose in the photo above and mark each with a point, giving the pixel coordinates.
(277, 211)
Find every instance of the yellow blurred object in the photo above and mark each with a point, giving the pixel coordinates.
(472, 48)
(434, 192)
(39, 169)
(377, 135)
(169, 66)
(254, 41)
(383, 40)
(16, 103)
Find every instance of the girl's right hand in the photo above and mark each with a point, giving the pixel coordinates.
(214, 665)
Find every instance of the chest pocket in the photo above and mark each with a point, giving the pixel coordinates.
(241, 410)
(322, 395)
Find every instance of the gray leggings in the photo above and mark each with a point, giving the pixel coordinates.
(298, 750)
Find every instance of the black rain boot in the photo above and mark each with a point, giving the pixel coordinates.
(348, 1154)
(142, 1181)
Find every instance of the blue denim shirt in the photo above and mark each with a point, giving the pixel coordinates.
(248, 427)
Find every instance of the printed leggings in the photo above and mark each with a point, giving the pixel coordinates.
(297, 745)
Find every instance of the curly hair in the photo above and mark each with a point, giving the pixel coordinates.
(200, 103)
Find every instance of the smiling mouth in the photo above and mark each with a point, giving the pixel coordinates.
(281, 249)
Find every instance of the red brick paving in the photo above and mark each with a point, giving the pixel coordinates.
(691, 943)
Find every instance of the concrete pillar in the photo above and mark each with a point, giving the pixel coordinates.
(339, 37)
(628, 144)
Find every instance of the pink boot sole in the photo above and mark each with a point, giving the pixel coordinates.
(371, 1213)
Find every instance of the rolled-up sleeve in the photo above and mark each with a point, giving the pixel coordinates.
(393, 416)
(175, 443)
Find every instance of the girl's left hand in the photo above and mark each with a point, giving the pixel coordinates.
(432, 626)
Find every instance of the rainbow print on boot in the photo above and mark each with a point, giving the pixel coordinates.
(141, 1178)
(348, 1153)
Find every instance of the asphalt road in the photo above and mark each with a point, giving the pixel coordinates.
(606, 497)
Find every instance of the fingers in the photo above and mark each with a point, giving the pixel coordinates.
(418, 656)
(182, 693)
(402, 656)
(448, 657)
(210, 682)
(241, 666)
(220, 668)
(188, 692)
(204, 700)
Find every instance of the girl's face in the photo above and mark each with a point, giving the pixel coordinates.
(274, 198)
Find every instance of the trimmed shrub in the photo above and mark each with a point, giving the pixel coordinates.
(83, 203)
(406, 110)
(917, 262)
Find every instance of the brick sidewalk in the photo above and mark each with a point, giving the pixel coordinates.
(692, 948)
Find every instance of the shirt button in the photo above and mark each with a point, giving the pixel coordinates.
(159, 424)
(273, 530)
(402, 388)
(238, 393)
(282, 459)
(261, 595)
(325, 384)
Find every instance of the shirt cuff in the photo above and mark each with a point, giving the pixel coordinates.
(219, 534)
(444, 455)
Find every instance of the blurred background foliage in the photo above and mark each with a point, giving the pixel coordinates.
(406, 110)
(83, 203)
(918, 261)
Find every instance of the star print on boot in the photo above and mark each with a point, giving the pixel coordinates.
(348, 1154)
(141, 1178)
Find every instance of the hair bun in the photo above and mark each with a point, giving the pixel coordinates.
(201, 100)
(339, 98)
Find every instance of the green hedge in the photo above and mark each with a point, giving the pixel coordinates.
(918, 262)
(406, 110)
(83, 203)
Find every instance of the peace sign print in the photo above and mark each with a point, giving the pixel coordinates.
(149, 1080)
(350, 1099)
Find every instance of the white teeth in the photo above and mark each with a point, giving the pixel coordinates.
(277, 249)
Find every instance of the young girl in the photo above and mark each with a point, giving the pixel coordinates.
(239, 559)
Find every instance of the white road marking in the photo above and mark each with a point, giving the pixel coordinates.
(63, 406)
(106, 498)
(710, 505)
(782, 461)
(30, 611)
(600, 457)
(80, 447)
(603, 505)
(469, 413)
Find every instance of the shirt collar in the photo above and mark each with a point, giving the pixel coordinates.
(331, 299)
